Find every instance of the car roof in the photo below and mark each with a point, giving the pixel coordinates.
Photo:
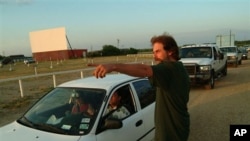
(226, 46)
(107, 82)
(199, 45)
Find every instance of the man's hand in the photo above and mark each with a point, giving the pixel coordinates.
(101, 70)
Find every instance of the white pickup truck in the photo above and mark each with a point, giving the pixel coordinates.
(204, 63)
(234, 55)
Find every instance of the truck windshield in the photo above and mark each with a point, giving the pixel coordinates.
(196, 52)
(228, 49)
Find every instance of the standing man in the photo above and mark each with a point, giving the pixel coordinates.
(171, 79)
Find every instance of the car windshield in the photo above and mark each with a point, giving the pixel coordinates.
(196, 52)
(243, 50)
(228, 49)
(70, 111)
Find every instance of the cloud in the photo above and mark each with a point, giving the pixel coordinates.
(18, 2)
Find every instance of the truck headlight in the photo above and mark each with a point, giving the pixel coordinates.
(233, 57)
(205, 68)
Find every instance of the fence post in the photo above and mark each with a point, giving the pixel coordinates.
(54, 80)
(35, 70)
(81, 74)
(21, 87)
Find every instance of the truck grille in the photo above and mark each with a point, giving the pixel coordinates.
(191, 69)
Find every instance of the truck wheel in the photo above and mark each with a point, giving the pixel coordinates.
(210, 84)
(224, 72)
(236, 64)
(239, 62)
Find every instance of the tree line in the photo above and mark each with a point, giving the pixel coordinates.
(110, 50)
(242, 43)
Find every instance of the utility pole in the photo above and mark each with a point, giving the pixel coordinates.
(118, 41)
(230, 38)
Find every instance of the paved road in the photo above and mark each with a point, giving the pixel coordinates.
(212, 111)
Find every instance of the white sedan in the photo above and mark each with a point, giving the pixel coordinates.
(51, 118)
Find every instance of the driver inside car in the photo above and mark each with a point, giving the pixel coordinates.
(80, 106)
(115, 109)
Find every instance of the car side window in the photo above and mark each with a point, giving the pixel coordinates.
(145, 92)
(121, 104)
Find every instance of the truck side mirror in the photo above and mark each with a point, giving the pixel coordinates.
(221, 56)
(215, 56)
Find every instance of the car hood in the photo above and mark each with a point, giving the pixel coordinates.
(15, 131)
(200, 61)
(231, 54)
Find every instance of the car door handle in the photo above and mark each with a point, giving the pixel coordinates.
(138, 123)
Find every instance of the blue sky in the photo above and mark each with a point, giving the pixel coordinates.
(94, 23)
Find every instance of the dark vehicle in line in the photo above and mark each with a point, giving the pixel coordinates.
(29, 60)
(5, 61)
(244, 53)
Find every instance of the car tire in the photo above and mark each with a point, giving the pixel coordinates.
(240, 62)
(210, 84)
(224, 71)
(236, 64)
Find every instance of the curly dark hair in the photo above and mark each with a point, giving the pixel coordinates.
(169, 44)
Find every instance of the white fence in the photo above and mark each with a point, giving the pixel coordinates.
(54, 76)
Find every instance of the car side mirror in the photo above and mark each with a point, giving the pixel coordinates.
(112, 124)
(106, 124)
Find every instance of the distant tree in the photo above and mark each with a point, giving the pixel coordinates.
(124, 51)
(242, 43)
(94, 53)
(128, 51)
(133, 51)
(110, 50)
(145, 50)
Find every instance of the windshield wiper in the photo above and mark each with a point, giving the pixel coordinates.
(41, 126)
(25, 121)
(49, 128)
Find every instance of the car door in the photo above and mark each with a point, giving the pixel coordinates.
(132, 126)
(216, 61)
(146, 96)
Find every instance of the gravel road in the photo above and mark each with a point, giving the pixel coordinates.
(211, 111)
